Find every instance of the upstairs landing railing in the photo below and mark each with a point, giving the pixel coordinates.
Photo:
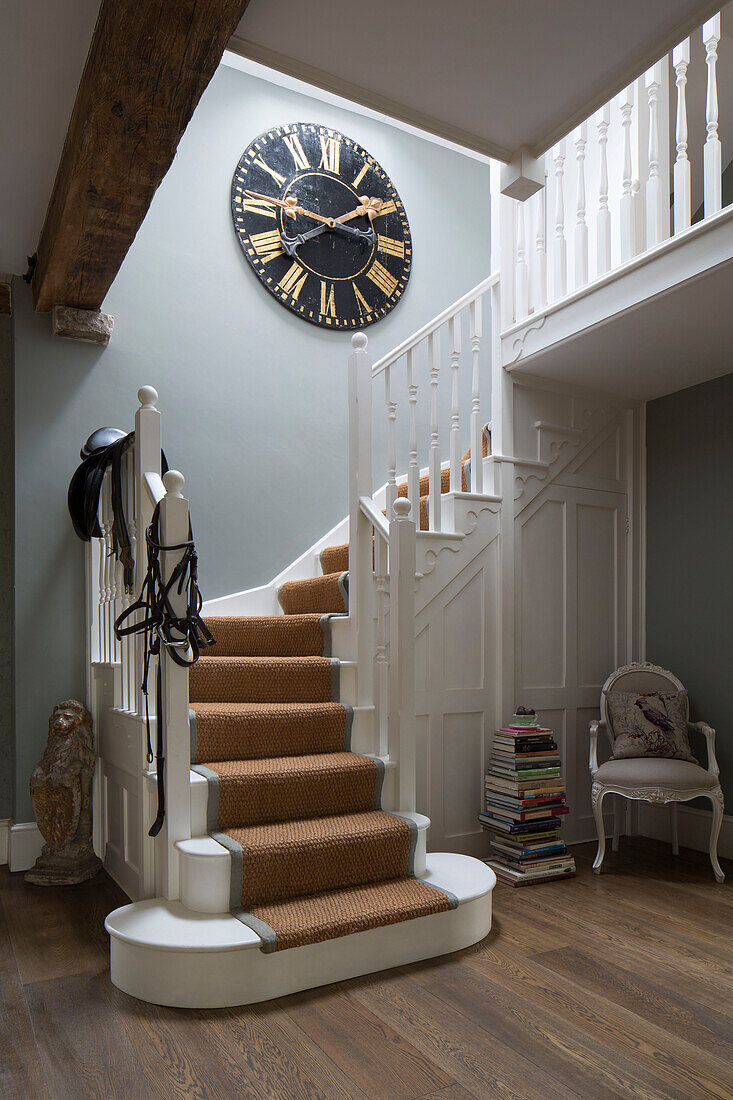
(628, 178)
(107, 597)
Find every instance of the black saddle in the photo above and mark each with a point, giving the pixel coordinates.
(103, 449)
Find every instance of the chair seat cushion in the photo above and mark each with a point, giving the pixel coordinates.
(649, 771)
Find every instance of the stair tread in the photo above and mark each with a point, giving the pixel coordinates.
(288, 859)
(268, 635)
(263, 679)
(330, 914)
(247, 731)
(325, 594)
(294, 787)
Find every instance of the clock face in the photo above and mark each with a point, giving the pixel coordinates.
(322, 225)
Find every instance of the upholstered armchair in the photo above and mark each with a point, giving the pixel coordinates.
(652, 779)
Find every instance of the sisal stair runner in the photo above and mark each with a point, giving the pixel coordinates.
(314, 856)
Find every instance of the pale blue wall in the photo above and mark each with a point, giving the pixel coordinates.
(690, 553)
(253, 399)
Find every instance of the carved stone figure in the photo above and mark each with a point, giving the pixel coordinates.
(61, 790)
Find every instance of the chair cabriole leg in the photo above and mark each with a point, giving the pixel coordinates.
(716, 798)
(597, 803)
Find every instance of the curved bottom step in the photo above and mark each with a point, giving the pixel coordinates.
(167, 954)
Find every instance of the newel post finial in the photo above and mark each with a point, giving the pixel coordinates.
(174, 482)
(401, 508)
(147, 396)
(359, 341)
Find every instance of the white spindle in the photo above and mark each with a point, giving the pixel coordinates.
(603, 121)
(581, 225)
(177, 741)
(627, 198)
(682, 188)
(656, 215)
(413, 469)
(713, 153)
(391, 405)
(381, 668)
(402, 652)
(361, 580)
(540, 250)
(434, 474)
(477, 463)
(560, 245)
(454, 329)
(521, 293)
(146, 460)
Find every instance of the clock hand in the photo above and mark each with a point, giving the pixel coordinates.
(290, 244)
(369, 206)
(291, 208)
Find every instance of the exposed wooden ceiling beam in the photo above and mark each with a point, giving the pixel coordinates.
(148, 64)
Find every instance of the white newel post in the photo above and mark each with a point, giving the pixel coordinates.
(521, 293)
(682, 186)
(174, 528)
(560, 249)
(657, 211)
(402, 651)
(628, 245)
(713, 161)
(581, 225)
(361, 584)
(603, 121)
(147, 460)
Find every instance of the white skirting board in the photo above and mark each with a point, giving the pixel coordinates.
(4, 837)
(24, 845)
(693, 827)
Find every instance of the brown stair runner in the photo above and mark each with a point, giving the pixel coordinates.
(313, 855)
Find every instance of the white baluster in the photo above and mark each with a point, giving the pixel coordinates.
(521, 294)
(682, 186)
(402, 652)
(628, 248)
(381, 669)
(413, 469)
(540, 250)
(560, 245)
(391, 442)
(713, 153)
(454, 329)
(603, 121)
(656, 215)
(477, 462)
(434, 473)
(581, 226)
(146, 461)
(361, 560)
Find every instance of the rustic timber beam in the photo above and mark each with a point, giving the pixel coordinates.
(148, 65)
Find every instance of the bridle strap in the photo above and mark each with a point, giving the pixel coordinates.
(163, 629)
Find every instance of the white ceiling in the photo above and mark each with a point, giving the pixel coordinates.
(490, 74)
(43, 47)
(501, 75)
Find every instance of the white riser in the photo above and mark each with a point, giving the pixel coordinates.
(163, 953)
(206, 871)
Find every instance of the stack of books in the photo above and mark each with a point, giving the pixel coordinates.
(524, 800)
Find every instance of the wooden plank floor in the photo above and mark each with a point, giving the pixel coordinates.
(611, 986)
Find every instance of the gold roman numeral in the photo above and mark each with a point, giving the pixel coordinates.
(296, 149)
(361, 175)
(293, 279)
(387, 208)
(328, 299)
(279, 180)
(390, 246)
(330, 154)
(267, 245)
(258, 206)
(361, 301)
(382, 278)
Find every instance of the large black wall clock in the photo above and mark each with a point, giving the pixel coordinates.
(322, 225)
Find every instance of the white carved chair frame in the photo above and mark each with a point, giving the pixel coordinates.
(645, 677)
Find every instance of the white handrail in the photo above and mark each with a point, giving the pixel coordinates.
(375, 517)
(155, 487)
(432, 326)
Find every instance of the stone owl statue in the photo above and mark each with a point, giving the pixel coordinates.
(61, 790)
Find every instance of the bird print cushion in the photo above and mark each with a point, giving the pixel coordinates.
(649, 725)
